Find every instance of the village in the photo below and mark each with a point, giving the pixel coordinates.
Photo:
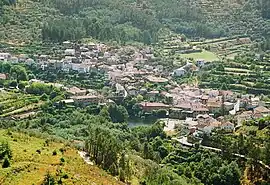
(130, 72)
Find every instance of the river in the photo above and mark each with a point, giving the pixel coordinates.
(135, 122)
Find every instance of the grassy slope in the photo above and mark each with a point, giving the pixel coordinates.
(206, 55)
(29, 167)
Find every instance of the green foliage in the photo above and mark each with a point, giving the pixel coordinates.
(6, 162)
(49, 180)
(166, 177)
(41, 88)
(18, 73)
(44, 97)
(5, 150)
(118, 113)
(103, 147)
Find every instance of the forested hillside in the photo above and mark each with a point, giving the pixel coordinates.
(130, 20)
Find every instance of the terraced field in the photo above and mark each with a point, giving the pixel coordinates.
(245, 74)
(15, 103)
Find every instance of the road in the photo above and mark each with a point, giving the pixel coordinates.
(184, 142)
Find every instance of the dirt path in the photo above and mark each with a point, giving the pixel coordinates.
(85, 157)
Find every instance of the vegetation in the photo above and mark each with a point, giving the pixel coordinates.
(124, 20)
(43, 167)
(240, 74)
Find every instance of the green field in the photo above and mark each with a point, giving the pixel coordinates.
(205, 55)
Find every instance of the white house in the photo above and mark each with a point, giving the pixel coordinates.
(80, 68)
(14, 60)
(227, 126)
(179, 72)
(70, 52)
(200, 62)
(5, 56)
(29, 61)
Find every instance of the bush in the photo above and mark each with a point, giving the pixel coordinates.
(6, 163)
(54, 152)
(5, 150)
(44, 97)
(65, 176)
(62, 160)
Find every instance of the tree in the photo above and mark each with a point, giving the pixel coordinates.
(18, 73)
(118, 113)
(147, 39)
(22, 85)
(104, 113)
(5, 150)
(6, 162)
(44, 97)
(188, 172)
(161, 113)
(49, 180)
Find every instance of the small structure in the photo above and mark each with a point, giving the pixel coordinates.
(5, 56)
(179, 72)
(70, 52)
(200, 62)
(75, 91)
(86, 100)
(227, 126)
(262, 110)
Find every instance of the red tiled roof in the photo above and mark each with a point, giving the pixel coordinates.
(153, 104)
(262, 109)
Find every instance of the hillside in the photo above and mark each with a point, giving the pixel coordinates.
(130, 20)
(33, 158)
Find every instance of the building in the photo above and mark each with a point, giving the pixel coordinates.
(5, 56)
(200, 62)
(75, 91)
(14, 60)
(149, 106)
(262, 110)
(179, 72)
(80, 68)
(227, 126)
(132, 90)
(152, 94)
(86, 100)
(207, 123)
(29, 61)
(70, 52)
(120, 90)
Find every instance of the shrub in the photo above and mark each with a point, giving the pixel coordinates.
(62, 160)
(5, 150)
(54, 152)
(62, 150)
(6, 163)
(48, 180)
(65, 176)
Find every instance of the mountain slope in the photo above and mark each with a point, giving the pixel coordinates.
(131, 20)
(32, 158)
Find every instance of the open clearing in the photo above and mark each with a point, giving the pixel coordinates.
(205, 55)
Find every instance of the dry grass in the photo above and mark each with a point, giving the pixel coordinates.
(29, 167)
